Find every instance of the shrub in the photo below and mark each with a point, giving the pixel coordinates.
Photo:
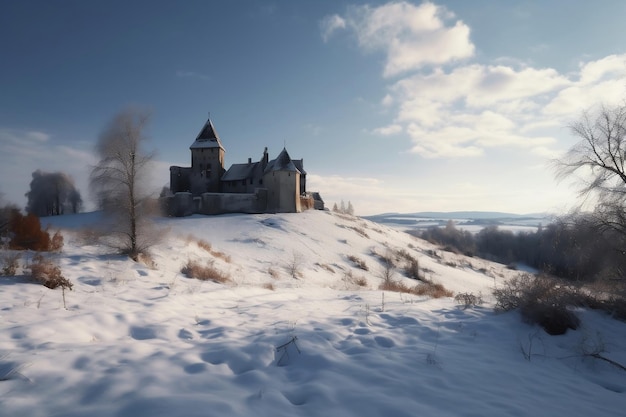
(425, 288)
(541, 300)
(10, 263)
(273, 273)
(395, 286)
(411, 265)
(358, 262)
(294, 264)
(468, 299)
(432, 290)
(56, 243)
(193, 269)
(204, 245)
(27, 233)
(350, 278)
(48, 273)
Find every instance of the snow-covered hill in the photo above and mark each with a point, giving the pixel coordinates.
(291, 333)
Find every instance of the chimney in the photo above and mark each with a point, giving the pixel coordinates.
(249, 161)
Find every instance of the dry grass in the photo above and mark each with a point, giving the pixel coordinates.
(194, 269)
(432, 290)
(360, 231)
(56, 242)
(146, 259)
(294, 265)
(273, 273)
(269, 286)
(388, 259)
(206, 246)
(425, 288)
(345, 216)
(221, 255)
(203, 244)
(411, 266)
(358, 262)
(326, 267)
(356, 280)
(48, 273)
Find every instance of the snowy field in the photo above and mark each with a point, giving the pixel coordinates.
(146, 341)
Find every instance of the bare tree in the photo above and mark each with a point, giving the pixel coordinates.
(117, 181)
(600, 154)
(598, 162)
(52, 193)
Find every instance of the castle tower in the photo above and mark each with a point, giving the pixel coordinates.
(207, 161)
(282, 180)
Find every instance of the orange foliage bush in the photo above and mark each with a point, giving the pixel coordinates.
(27, 233)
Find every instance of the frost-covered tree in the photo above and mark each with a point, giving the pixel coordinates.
(118, 181)
(52, 194)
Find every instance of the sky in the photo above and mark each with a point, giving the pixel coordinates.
(394, 106)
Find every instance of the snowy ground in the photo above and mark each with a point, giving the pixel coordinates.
(139, 341)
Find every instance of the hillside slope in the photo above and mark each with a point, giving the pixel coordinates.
(135, 341)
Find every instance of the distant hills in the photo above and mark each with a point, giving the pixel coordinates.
(474, 219)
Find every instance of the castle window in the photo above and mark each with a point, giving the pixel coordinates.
(261, 182)
(243, 182)
(208, 170)
(250, 181)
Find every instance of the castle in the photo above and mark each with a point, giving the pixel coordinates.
(266, 186)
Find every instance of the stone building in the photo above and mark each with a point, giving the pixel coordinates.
(274, 186)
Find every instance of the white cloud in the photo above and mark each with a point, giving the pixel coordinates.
(388, 130)
(18, 137)
(461, 112)
(330, 24)
(461, 109)
(411, 36)
(610, 67)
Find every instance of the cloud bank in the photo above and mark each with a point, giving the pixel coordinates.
(451, 107)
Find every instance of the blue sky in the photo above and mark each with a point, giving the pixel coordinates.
(395, 106)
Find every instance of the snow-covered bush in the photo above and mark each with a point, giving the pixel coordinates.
(541, 300)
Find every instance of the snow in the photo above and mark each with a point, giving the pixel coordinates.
(140, 341)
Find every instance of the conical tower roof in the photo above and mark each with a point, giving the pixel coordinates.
(207, 138)
(282, 162)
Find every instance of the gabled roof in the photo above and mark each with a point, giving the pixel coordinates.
(238, 172)
(207, 138)
(282, 162)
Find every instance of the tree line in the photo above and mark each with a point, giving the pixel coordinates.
(571, 248)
